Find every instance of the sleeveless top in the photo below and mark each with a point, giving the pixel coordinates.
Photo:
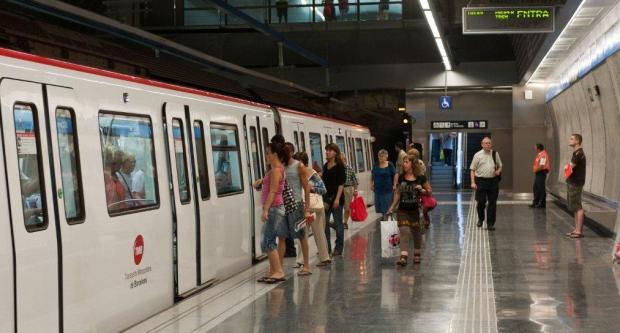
(277, 200)
(409, 195)
(294, 180)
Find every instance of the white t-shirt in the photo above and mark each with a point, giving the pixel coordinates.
(137, 181)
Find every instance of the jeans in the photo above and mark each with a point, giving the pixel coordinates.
(488, 190)
(272, 228)
(540, 194)
(337, 212)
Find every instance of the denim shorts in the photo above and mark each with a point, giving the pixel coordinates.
(274, 227)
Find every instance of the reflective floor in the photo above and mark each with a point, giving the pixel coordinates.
(525, 276)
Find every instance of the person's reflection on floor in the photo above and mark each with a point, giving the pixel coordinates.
(274, 310)
(320, 303)
(576, 300)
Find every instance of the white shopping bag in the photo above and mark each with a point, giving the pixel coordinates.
(390, 238)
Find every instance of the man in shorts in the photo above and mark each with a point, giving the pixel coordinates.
(575, 184)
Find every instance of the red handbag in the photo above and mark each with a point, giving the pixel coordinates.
(568, 170)
(428, 202)
(358, 209)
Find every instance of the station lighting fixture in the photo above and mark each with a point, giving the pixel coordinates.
(432, 24)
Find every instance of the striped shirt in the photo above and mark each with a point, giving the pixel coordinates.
(483, 165)
(351, 178)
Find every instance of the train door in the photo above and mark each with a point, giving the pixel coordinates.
(198, 121)
(6, 254)
(255, 170)
(184, 214)
(31, 203)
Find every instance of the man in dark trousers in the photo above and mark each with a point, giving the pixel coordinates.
(541, 168)
(575, 183)
(486, 168)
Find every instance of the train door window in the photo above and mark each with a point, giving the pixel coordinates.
(201, 158)
(226, 159)
(296, 137)
(316, 152)
(129, 168)
(254, 149)
(178, 134)
(340, 143)
(368, 154)
(326, 139)
(69, 165)
(353, 161)
(29, 161)
(302, 138)
(359, 155)
(331, 139)
(265, 135)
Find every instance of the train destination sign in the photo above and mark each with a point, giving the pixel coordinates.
(508, 20)
(459, 124)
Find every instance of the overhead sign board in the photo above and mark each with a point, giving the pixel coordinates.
(459, 124)
(508, 20)
(445, 102)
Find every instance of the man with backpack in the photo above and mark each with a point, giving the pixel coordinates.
(486, 171)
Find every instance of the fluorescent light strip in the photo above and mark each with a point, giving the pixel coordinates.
(442, 49)
(425, 5)
(446, 63)
(557, 39)
(431, 23)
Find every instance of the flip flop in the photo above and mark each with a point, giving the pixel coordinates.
(570, 233)
(298, 265)
(274, 280)
(324, 263)
(576, 235)
(262, 279)
(304, 273)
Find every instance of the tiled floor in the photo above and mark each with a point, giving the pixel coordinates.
(526, 276)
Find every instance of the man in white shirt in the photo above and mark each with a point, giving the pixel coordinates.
(486, 167)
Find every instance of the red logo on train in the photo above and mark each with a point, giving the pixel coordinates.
(138, 249)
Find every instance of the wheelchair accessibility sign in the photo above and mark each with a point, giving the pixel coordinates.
(445, 102)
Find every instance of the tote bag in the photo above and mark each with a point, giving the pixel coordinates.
(390, 238)
(358, 209)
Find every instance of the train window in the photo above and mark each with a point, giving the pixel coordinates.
(331, 139)
(326, 139)
(178, 135)
(352, 162)
(69, 165)
(340, 143)
(30, 167)
(302, 138)
(254, 150)
(201, 159)
(226, 159)
(359, 155)
(129, 168)
(296, 136)
(368, 154)
(265, 135)
(316, 151)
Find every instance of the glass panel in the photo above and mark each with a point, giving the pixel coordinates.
(303, 141)
(254, 149)
(297, 11)
(209, 16)
(340, 143)
(352, 160)
(265, 134)
(30, 167)
(178, 135)
(296, 136)
(129, 169)
(368, 154)
(226, 159)
(259, 14)
(316, 152)
(69, 168)
(201, 157)
(359, 155)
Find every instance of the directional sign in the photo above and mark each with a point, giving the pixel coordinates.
(508, 20)
(459, 124)
(445, 102)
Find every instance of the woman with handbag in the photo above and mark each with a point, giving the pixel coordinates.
(317, 189)
(411, 185)
(416, 155)
(273, 215)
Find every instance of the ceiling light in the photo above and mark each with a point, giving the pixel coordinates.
(425, 5)
(442, 49)
(401, 109)
(431, 23)
(446, 63)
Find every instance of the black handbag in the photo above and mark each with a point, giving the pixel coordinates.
(498, 177)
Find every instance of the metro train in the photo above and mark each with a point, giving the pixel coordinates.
(122, 195)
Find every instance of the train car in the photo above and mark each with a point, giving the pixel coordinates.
(121, 195)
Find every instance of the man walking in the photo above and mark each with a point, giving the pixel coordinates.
(575, 183)
(541, 168)
(486, 167)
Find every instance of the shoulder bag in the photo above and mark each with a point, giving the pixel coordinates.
(499, 177)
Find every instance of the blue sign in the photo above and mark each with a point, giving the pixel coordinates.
(445, 102)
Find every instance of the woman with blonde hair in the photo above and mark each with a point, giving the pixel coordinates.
(411, 185)
(416, 155)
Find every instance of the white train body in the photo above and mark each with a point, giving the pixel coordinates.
(76, 257)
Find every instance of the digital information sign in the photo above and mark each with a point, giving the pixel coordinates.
(459, 124)
(508, 20)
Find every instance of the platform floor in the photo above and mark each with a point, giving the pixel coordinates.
(525, 276)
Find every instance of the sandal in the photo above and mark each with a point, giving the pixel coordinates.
(271, 280)
(262, 280)
(402, 261)
(298, 265)
(304, 273)
(576, 235)
(571, 233)
(417, 258)
(324, 263)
